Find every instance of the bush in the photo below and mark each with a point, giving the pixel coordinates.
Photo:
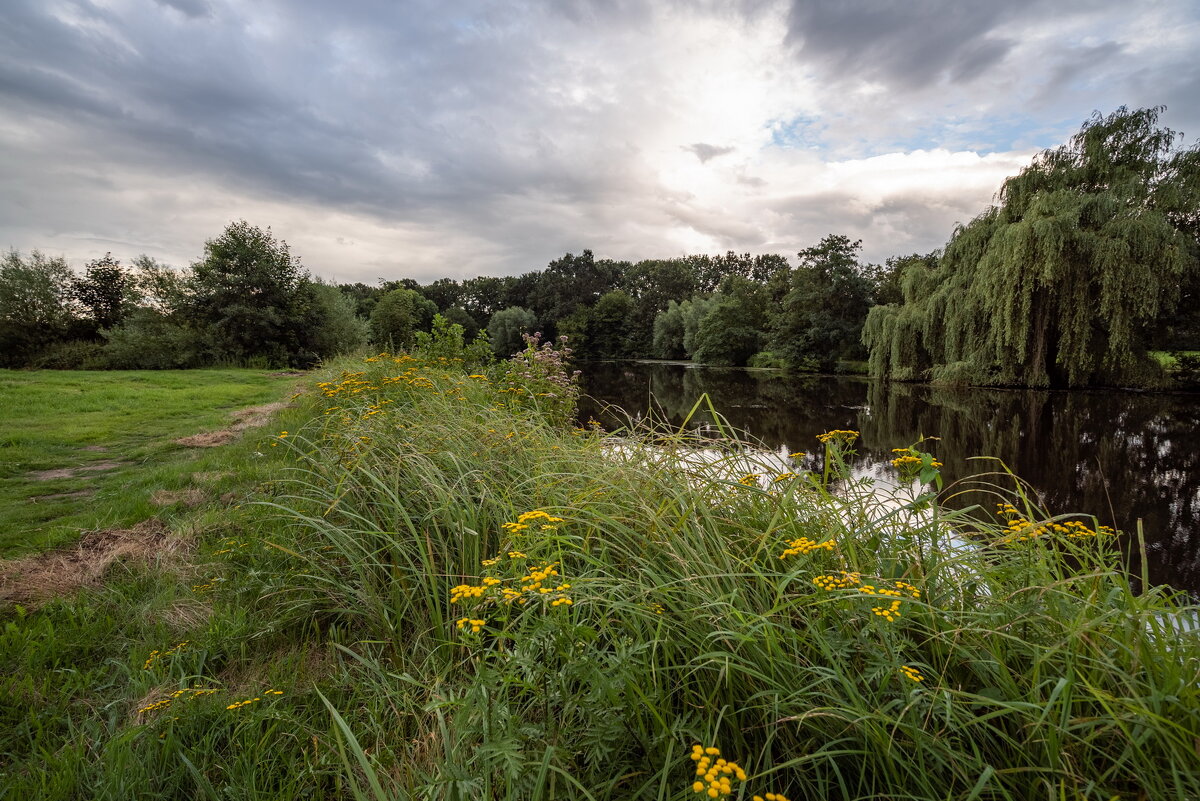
(766, 358)
(152, 341)
(72, 355)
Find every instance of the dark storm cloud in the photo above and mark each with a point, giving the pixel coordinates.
(901, 44)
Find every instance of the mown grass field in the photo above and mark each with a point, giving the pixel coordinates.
(86, 449)
(434, 586)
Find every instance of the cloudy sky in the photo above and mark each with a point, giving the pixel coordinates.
(386, 138)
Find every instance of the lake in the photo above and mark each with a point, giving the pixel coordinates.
(1120, 456)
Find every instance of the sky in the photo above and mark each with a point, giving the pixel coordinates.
(385, 139)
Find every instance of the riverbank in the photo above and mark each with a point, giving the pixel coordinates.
(447, 591)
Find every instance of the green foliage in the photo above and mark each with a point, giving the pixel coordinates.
(668, 333)
(151, 340)
(607, 331)
(398, 316)
(247, 296)
(460, 316)
(334, 329)
(820, 319)
(1064, 282)
(35, 305)
(507, 329)
(105, 292)
(766, 359)
(730, 332)
(447, 341)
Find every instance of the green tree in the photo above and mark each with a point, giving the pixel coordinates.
(506, 328)
(36, 305)
(247, 294)
(398, 316)
(105, 292)
(1065, 281)
(607, 326)
(668, 333)
(334, 328)
(821, 317)
(731, 331)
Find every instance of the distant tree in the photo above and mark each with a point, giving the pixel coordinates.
(36, 305)
(506, 328)
(159, 287)
(484, 296)
(693, 312)
(398, 316)
(1066, 280)
(653, 284)
(886, 279)
(732, 329)
(457, 315)
(820, 319)
(668, 333)
(363, 296)
(607, 326)
(444, 292)
(105, 293)
(246, 295)
(334, 328)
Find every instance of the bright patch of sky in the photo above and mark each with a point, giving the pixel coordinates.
(430, 139)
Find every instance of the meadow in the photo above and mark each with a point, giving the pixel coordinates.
(434, 584)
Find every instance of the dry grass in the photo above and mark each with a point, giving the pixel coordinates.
(36, 579)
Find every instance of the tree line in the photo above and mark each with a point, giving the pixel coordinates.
(1089, 260)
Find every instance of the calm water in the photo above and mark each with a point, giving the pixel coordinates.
(1120, 456)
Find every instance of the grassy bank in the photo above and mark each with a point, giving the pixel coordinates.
(446, 591)
(86, 449)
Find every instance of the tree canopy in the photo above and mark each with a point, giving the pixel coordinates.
(1063, 282)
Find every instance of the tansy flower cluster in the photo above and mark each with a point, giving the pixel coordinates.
(750, 479)
(525, 520)
(715, 774)
(1020, 529)
(839, 436)
(185, 694)
(912, 673)
(805, 546)
(157, 656)
(492, 591)
(845, 581)
(897, 591)
(784, 477)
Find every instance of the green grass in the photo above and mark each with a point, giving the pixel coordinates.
(1045, 675)
(82, 419)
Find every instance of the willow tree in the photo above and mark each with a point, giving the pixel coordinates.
(1062, 282)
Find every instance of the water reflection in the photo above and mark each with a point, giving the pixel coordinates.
(1120, 456)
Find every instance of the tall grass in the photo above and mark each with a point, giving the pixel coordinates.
(1019, 667)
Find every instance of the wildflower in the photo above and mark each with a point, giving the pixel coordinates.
(912, 673)
(714, 775)
(804, 546)
(784, 477)
(750, 479)
(840, 436)
(475, 624)
(796, 455)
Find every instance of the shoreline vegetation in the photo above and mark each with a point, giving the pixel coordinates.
(437, 586)
(1083, 273)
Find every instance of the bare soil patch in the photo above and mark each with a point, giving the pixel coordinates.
(242, 419)
(35, 579)
(73, 472)
(191, 496)
(95, 448)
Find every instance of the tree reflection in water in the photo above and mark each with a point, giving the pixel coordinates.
(1119, 456)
